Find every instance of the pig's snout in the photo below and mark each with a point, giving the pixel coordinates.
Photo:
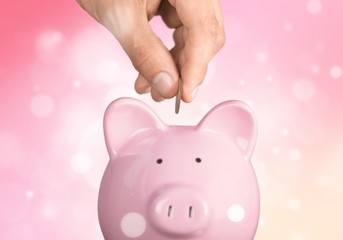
(179, 211)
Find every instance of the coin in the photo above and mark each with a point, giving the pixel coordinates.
(178, 97)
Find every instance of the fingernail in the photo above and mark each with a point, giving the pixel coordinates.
(194, 92)
(162, 83)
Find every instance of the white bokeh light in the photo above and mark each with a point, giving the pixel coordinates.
(30, 194)
(49, 211)
(303, 90)
(287, 27)
(241, 82)
(205, 107)
(42, 105)
(276, 150)
(49, 40)
(133, 225)
(236, 213)
(294, 204)
(261, 57)
(81, 162)
(261, 52)
(294, 154)
(36, 87)
(76, 83)
(336, 72)
(285, 132)
(49, 45)
(261, 166)
(314, 6)
(270, 78)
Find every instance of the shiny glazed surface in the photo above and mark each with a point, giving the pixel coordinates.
(179, 182)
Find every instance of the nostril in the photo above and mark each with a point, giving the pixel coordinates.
(190, 212)
(179, 212)
(170, 211)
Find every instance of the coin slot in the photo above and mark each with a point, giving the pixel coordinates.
(190, 212)
(170, 211)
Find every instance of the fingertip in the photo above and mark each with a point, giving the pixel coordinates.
(188, 95)
(194, 92)
(156, 96)
(193, 75)
(142, 86)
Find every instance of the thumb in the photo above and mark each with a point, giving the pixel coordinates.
(151, 58)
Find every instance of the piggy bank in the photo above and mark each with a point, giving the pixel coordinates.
(179, 182)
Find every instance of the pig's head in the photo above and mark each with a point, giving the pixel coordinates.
(179, 182)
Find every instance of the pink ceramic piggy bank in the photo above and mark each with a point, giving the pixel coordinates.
(179, 182)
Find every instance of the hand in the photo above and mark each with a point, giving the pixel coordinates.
(198, 36)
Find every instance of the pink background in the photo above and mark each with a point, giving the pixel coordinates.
(59, 69)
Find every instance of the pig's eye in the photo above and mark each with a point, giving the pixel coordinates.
(198, 160)
(159, 161)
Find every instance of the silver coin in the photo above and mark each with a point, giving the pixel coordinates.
(178, 97)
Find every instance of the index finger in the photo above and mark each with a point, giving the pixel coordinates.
(203, 36)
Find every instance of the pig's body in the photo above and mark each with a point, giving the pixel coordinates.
(179, 182)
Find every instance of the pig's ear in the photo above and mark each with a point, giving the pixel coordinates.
(235, 120)
(126, 117)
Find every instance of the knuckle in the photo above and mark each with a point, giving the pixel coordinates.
(170, 18)
(212, 27)
(178, 39)
(140, 56)
(216, 32)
